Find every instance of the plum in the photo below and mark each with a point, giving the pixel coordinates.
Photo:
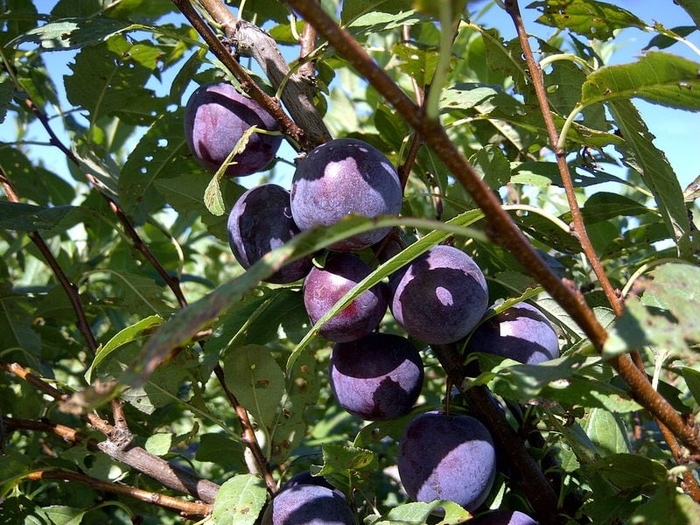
(216, 117)
(342, 177)
(521, 333)
(308, 505)
(440, 296)
(259, 222)
(447, 456)
(323, 287)
(378, 377)
(503, 517)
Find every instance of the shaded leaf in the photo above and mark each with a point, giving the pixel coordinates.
(629, 470)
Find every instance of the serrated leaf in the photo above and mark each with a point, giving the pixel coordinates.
(653, 166)
(127, 335)
(63, 515)
(73, 33)
(692, 7)
(105, 83)
(607, 431)
(160, 154)
(344, 458)
(257, 381)
(591, 18)
(657, 77)
(239, 500)
(353, 9)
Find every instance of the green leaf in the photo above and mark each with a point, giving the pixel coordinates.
(607, 431)
(590, 18)
(257, 381)
(127, 335)
(239, 500)
(28, 217)
(73, 33)
(159, 444)
(221, 449)
(657, 77)
(669, 507)
(344, 458)
(160, 155)
(628, 471)
(692, 379)
(213, 198)
(653, 166)
(63, 515)
(105, 82)
(419, 512)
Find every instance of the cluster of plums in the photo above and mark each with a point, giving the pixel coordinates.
(440, 297)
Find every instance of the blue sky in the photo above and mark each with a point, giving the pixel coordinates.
(675, 130)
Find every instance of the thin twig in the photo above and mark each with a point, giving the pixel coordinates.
(188, 509)
(248, 434)
(578, 226)
(118, 445)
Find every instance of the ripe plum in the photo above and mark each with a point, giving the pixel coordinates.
(521, 333)
(448, 457)
(259, 222)
(308, 505)
(323, 287)
(341, 177)
(440, 296)
(216, 117)
(378, 377)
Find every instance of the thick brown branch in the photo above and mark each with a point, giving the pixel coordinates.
(189, 509)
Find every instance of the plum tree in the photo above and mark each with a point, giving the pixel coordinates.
(520, 332)
(323, 287)
(503, 517)
(440, 296)
(308, 505)
(378, 377)
(216, 117)
(341, 177)
(259, 222)
(459, 466)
